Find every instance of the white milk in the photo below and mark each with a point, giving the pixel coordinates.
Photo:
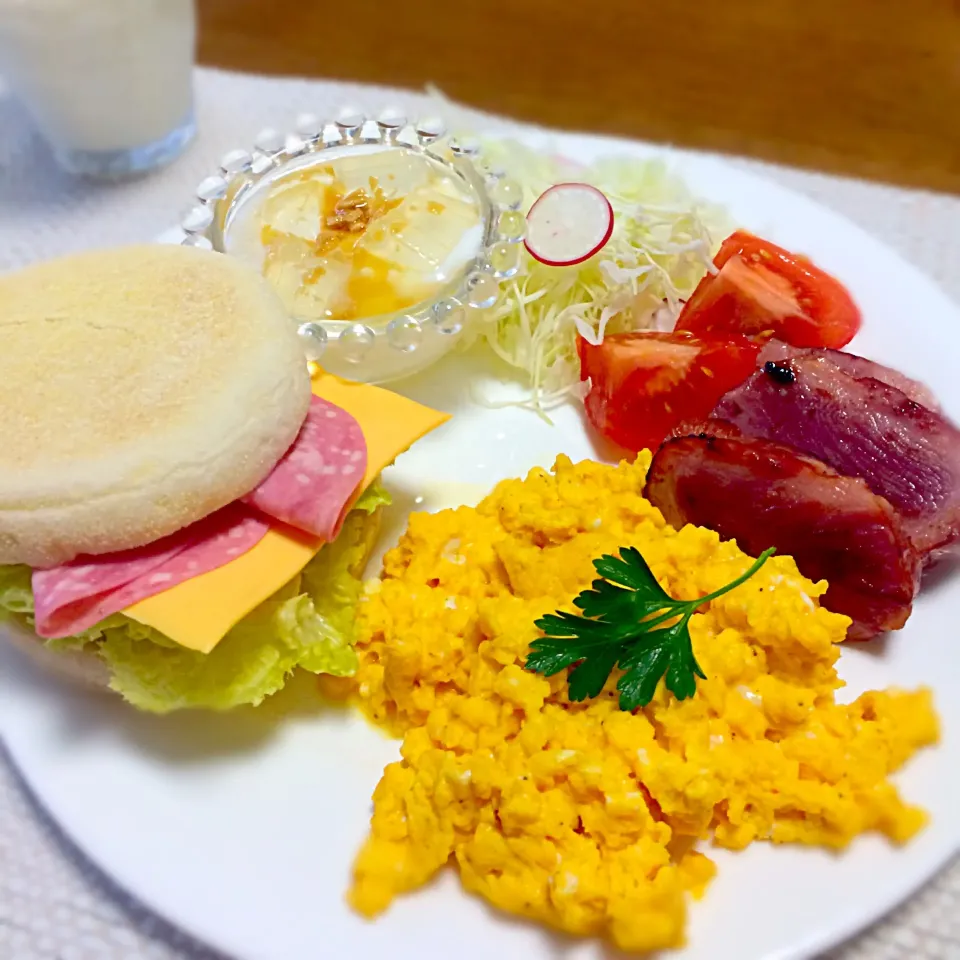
(101, 76)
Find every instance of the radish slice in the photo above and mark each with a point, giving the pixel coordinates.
(568, 224)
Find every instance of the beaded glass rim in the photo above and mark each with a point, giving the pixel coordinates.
(477, 286)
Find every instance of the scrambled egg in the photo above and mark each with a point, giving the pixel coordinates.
(581, 816)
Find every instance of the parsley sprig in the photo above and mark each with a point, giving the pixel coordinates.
(629, 621)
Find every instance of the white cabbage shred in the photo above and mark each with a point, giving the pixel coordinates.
(662, 244)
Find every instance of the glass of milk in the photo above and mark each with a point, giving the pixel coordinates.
(108, 82)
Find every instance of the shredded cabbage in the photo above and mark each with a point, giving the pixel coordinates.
(307, 624)
(662, 244)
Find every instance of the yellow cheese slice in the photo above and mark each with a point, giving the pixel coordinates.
(198, 612)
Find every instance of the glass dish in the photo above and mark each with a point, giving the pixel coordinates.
(382, 346)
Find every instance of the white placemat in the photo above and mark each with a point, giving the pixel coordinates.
(53, 904)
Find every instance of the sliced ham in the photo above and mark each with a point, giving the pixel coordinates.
(862, 427)
(763, 494)
(711, 427)
(75, 596)
(66, 586)
(858, 367)
(312, 486)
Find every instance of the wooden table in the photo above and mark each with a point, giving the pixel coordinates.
(865, 87)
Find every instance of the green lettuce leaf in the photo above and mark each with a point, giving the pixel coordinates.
(374, 497)
(307, 624)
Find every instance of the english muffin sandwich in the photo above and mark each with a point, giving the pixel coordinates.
(185, 512)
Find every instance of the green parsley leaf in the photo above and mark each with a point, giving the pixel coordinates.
(629, 621)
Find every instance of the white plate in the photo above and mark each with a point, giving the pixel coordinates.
(242, 829)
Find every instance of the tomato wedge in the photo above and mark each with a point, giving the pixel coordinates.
(762, 289)
(642, 385)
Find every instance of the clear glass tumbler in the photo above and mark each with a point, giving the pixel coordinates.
(108, 82)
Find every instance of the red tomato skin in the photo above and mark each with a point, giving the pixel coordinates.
(763, 289)
(742, 243)
(643, 385)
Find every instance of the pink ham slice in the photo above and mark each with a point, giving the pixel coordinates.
(312, 486)
(75, 596)
(62, 587)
